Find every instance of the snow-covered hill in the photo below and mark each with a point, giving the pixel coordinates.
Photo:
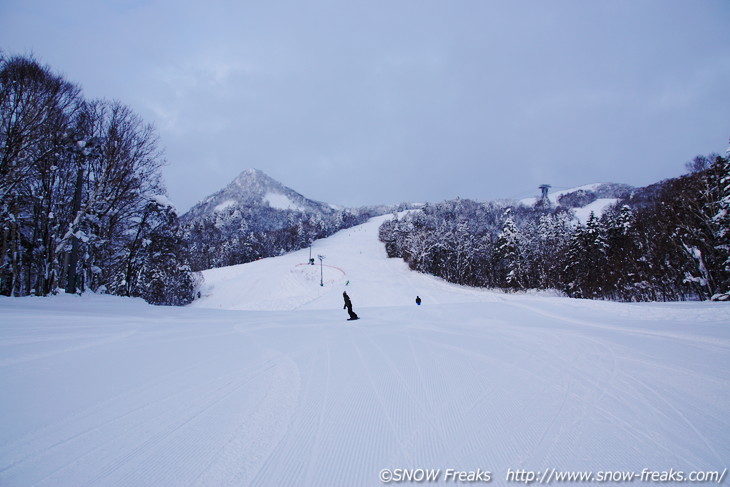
(584, 200)
(256, 216)
(263, 382)
(253, 188)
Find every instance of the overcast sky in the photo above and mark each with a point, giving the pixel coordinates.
(363, 102)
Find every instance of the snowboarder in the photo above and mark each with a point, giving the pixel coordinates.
(418, 300)
(348, 305)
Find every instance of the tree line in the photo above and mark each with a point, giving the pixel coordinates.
(239, 235)
(667, 242)
(82, 202)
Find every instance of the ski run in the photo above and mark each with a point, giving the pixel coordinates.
(263, 382)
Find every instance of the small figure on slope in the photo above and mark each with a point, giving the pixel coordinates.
(418, 300)
(348, 305)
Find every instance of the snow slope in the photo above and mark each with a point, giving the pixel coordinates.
(597, 208)
(353, 256)
(263, 382)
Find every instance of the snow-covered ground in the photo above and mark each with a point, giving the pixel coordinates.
(263, 382)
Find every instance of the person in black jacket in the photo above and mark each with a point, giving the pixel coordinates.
(348, 305)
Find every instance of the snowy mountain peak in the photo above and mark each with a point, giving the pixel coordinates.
(251, 178)
(254, 189)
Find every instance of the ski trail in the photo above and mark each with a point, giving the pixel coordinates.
(682, 417)
(91, 344)
(381, 400)
(250, 444)
(298, 457)
(421, 379)
(470, 379)
(315, 452)
(168, 423)
(704, 341)
(414, 420)
(61, 428)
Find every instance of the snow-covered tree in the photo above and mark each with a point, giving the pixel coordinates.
(76, 177)
(164, 275)
(510, 251)
(549, 241)
(721, 224)
(36, 110)
(586, 260)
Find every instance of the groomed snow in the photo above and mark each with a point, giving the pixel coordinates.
(263, 382)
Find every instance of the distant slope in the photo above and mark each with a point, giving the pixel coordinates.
(586, 199)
